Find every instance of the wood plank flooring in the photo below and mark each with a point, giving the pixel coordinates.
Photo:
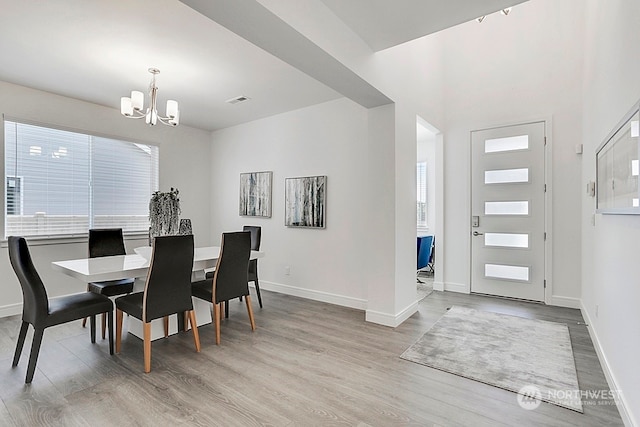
(307, 364)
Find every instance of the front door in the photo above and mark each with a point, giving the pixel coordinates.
(508, 211)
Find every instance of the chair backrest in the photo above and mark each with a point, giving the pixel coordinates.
(425, 245)
(168, 286)
(256, 236)
(35, 303)
(230, 279)
(106, 242)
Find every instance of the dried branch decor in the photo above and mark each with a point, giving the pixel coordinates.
(164, 213)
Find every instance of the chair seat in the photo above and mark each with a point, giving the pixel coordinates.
(67, 308)
(203, 289)
(112, 288)
(131, 304)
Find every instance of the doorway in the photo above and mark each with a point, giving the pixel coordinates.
(508, 211)
(429, 160)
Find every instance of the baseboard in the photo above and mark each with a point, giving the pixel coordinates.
(311, 294)
(386, 319)
(566, 302)
(625, 414)
(438, 286)
(456, 287)
(10, 310)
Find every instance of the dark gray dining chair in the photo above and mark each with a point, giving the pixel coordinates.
(256, 237)
(41, 312)
(252, 273)
(229, 279)
(107, 242)
(167, 291)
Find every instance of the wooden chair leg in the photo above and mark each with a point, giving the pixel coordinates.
(118, 330)
(33, 357)
(186, 321)
(194, 328)
(216, 315)
(165, 322)
(20, 344)
(226, 309)
(104, 324)
(247, 300)
(147, 346)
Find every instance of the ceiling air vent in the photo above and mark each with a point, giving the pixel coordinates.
(237, 99)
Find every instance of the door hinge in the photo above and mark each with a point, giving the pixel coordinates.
(545, 236)
(545, 188)
(545, 140)
(545, 283)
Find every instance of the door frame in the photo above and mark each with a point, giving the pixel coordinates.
(548, 208)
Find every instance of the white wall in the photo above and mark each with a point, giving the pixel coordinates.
(411, 75)
(327, 139)
(184, 155)
(610, 271)
(509, 70)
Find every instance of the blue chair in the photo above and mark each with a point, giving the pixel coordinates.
(425, 253)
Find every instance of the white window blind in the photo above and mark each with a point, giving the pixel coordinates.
(61, 183)
(421, 185)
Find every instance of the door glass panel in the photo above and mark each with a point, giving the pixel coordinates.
(506, 208)
(506, 240)
(510, 143)
(509, 272)
(505, 176)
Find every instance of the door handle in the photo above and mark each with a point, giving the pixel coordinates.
(475, 233)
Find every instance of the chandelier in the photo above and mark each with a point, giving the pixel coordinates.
(132, 107)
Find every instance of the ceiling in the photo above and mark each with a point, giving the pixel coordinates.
(383, 23)
(100, 50)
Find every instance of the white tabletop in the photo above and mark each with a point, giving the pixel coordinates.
(130, 266)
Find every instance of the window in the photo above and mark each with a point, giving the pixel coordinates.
(61, 183)
(421, 185)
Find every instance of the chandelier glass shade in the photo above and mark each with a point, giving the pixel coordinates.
(133, 107)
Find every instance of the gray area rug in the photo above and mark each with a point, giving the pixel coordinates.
(503, 351)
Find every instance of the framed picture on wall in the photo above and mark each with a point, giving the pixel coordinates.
(255, 194)
(305, 200)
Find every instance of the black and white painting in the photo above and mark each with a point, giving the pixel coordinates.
(255, 194)
(305, 201)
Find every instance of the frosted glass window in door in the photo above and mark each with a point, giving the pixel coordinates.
(506, 208)
(510, 143)
(506, 240)
(507, 272)
(506, 176)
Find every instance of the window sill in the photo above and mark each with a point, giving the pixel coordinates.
(66, 240)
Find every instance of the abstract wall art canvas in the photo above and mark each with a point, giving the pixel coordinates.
(305, 201)
(255, 194)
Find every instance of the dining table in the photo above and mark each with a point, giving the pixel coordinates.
(136, 266)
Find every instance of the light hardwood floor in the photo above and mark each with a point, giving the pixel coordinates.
(307, 364)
